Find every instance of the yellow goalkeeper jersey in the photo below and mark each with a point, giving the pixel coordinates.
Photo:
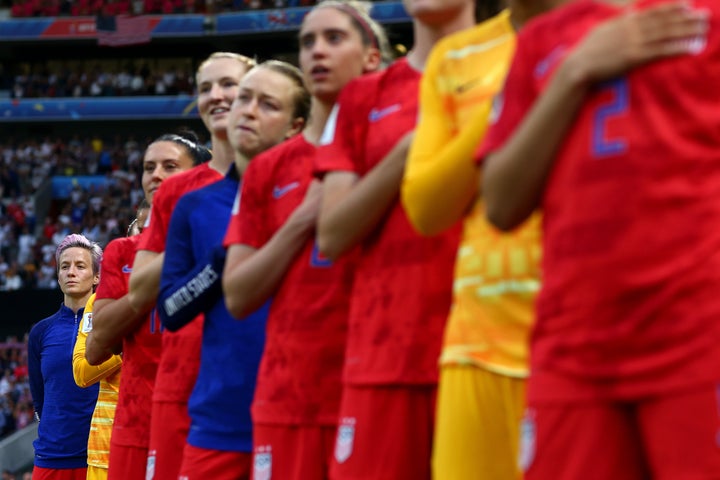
(108, 374)
(496, 274)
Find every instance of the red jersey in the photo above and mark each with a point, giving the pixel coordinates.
(180, 360)
(402, 286)
(631, 261)
(300, 373)
(166, 197)
(141, 349)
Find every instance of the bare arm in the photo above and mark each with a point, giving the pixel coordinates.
(251, 276)
(145, 279)
(113, 320)
(351, 207)
(512, 186)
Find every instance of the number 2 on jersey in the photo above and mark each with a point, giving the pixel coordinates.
(601, 145)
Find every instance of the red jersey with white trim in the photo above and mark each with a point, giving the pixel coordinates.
(402, 286)
(300, 373)
(631, 261)
(180, 360)
(141, 349)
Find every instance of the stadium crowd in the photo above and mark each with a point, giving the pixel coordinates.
(16, 409)
(100, 211)
(126, 79)
(54, 8)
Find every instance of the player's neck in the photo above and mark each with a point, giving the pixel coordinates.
(222, 155)
(75, 303)
(427, 35)
(241, 163)
(319, 113)
(522, 11)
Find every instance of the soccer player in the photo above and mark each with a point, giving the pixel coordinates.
(108, 376)
(402, 283)
(114, 321)
(63, 409)
(272, 105)
(484, 364)
(272, 252)
(218, 79)
(625, 163)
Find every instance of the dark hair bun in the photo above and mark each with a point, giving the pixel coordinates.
(188, 139)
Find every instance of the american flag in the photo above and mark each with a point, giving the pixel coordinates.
(120, 30)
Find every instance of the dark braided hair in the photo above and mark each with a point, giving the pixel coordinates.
(189, 140)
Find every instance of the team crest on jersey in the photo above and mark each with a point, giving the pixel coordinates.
(262, 465)
(345, 439)
(86, 323)
(528, 437)
(150, 469)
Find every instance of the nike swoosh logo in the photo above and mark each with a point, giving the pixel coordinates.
(281, 191)
(467, 85)
(377, 114)
(126, 269)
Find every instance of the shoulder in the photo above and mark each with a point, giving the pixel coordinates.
(176, 185)
(270, 158)
(182, 178)
(477, 39)
(118, 245)
(198, 193)
(567, 17)
(368, 80)
(38, 330)
(358, 89)
(361, 92)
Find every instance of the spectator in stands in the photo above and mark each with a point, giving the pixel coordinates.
(23, 415)
(26, 242)
(12, 281)
(5, 382)
(63, 408)
(46, 276)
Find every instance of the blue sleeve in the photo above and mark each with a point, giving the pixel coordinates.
(187, 287)
(37, 383)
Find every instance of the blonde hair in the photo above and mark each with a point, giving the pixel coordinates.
(371, 32)
(301, 96)
(246, 62)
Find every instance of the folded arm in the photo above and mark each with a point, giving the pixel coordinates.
(512, 186)
(352, 207)
(251, 276)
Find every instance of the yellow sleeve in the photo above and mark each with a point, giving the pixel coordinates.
(441, 177)
(84, 373)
